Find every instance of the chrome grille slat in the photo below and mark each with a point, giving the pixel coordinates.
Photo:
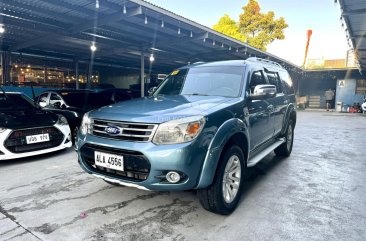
(103, 126)
(134, 129)
(130, 131)
(98, 131)
(130, 135)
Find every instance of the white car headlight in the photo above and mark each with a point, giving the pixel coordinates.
(86, 123)
(2, 129)
(179, 130)
(62, 120)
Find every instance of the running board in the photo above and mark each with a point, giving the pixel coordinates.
(257, 158)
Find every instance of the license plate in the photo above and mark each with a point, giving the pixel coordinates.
(110, 161)
(37, 138)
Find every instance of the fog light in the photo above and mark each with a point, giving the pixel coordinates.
(173, 177)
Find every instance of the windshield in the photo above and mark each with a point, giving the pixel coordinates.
(15, 102)
(82, 100)
(210, 81)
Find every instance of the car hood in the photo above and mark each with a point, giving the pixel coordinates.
(21, 119)
(161, 109)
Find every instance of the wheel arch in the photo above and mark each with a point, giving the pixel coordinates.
(233, 131)
(290, 115)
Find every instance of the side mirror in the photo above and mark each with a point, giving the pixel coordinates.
(152, 90)
(263, 92)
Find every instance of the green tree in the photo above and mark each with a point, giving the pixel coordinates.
(256, 28)
(228, 26)
(260, 29)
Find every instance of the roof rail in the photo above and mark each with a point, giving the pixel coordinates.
(263, 60)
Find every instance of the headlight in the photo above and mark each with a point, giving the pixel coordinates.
(62, 120)
(179, 130)
(85, 126)
(2, 129)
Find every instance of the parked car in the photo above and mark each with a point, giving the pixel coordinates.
(116, 95)
(105, 86)
(201, 129)
(27, 130)
(72, 104)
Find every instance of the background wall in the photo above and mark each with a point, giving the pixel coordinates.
(120, 78)
(347, 94)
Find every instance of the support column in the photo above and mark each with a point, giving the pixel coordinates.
(45, 69)
(142, 74)
(77, 74)
(90, 71)
(5, 64)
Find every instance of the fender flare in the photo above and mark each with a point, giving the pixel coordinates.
(228, 129)
(290, 109)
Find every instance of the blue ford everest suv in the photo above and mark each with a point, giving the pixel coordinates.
(201, 128)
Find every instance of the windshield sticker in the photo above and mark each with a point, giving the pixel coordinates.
(175, 72)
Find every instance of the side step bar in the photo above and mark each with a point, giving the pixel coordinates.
(257, 158)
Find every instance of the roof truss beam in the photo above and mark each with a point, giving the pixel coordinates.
(354, 12)
(79, 28)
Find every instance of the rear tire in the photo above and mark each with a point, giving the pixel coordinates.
(286, 148)
(223, 195)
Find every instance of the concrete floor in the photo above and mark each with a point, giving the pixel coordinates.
(319, 193)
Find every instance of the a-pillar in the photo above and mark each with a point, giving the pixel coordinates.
(142, 74)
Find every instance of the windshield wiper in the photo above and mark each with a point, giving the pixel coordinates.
(198, 94)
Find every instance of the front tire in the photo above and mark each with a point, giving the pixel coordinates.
(286, 148)
(223, 195)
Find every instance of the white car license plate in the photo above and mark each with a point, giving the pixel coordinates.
(110, 161)
(37, 138)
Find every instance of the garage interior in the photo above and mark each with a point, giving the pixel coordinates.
(111, 42)
(49, 44)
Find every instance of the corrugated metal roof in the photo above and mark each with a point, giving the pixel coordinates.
(354, 17)
(68, 27)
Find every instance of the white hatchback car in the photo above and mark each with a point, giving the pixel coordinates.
(26, 130)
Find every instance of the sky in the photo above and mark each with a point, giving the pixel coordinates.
(321, 16)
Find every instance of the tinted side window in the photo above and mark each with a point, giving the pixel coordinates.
(287, 83)
(256, 79)
(274, 79)
(42, 100)
(55, 98)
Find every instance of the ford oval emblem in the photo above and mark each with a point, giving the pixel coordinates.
(112, 130)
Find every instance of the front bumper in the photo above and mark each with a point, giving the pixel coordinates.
(186, 158)
(5, 154)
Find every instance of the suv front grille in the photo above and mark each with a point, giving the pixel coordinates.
(17, 143)
(136, 165)
(141, 132)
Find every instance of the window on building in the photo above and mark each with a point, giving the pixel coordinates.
(360, 86)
